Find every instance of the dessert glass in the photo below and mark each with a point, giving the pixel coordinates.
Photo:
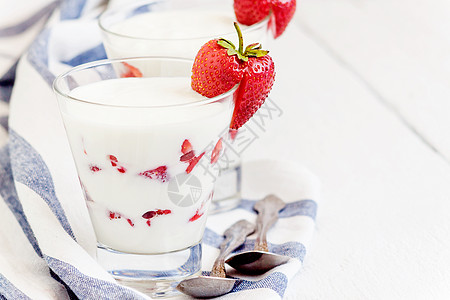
(179, 28)
(141, 163)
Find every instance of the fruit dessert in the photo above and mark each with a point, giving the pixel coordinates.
(173, 31)
(140, 155)
(178, 33)
(219, 66)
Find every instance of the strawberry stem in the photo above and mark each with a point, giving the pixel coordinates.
(252, 50)
(241, 39)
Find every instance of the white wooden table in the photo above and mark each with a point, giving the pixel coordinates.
(365, 91)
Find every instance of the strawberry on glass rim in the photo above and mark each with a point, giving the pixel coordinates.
(249, 12)
(219, 66)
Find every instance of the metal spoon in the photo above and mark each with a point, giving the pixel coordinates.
(260, 260)
(216, 284)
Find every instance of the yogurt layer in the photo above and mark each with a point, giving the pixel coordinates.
(179, 33)
(177, 24)
(146, 191)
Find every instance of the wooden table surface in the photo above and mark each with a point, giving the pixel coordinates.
(364, 87)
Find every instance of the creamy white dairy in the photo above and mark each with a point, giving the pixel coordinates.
(178, 24)
(178, 33)
(119, 143)
(144, 92)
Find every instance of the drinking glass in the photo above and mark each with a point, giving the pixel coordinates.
(141, 153)
(179, 28)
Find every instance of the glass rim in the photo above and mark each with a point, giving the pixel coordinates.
(121, 9)
(97, 63)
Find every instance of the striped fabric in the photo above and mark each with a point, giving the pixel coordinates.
(47, 244)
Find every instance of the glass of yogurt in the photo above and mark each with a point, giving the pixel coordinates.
(179, 28)
(139, 136)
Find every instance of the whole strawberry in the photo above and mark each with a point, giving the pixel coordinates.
(249, 12)
(215, 71)
(252, 68)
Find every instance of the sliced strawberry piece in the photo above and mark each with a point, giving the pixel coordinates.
(198, 213)
(249, 13)
(196, 216)
(121, 170)
(193, 163)
(113, 160)
(150, 214)
(188, 156)
(283, 12)
(114, 215)
(216, 151)
(131, 71)
(159, 173)
(258, 80)
(154, 213)
(186, 147)
(130, 222)
(162, 212)
(94, 168)
(216, 68)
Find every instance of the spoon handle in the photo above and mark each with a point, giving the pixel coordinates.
(267, 209)
(234, 237)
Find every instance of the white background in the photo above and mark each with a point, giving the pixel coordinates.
(365, 90)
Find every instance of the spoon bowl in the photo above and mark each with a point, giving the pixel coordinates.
(260, 260)
(206, 286)
(217, 284)
(256, 262)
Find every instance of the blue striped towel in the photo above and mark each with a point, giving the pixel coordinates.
(46, 246)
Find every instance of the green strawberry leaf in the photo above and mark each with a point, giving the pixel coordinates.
(231, 52)
(226, 44)
(252, 50)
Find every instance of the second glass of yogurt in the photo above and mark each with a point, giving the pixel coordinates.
(138, 135)
(179, 28)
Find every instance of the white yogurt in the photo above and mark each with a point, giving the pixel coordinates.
(179, 33)
(177, 24)
(113, 146)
